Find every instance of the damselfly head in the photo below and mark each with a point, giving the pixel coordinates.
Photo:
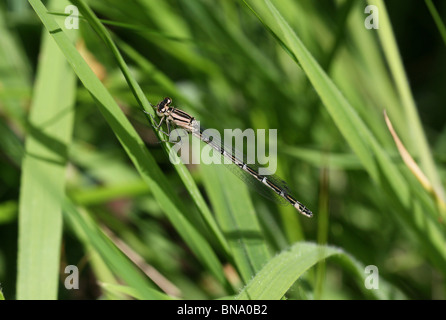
(163, 105)
(167, 101)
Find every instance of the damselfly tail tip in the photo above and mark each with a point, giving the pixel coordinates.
(304, 210)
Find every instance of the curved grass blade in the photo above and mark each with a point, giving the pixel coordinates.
(115, 260)
(418, 212)
(280, 273)
(134, 146)
(418, 142)
(145, 105)
(344, 115)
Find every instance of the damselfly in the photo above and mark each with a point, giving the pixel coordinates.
(185, 121)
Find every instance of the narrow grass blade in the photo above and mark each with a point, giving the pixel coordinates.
(436, 16)
(134, 146)
(323, 228)
(371, 154)
(236, 215)
(124, 291)
(40, 211)
(15, 76)
(347, 161)
(348, 121)
(144, 103)
(415, 169)
(418, 142)
(115, 260)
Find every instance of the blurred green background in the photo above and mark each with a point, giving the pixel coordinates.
(232, 64)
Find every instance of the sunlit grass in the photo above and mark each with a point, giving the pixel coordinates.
(148, 229)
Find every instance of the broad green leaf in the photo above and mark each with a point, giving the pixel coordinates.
(280, 273)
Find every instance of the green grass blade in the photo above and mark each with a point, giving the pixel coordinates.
(103, 166)
(237, 218)
(105, 194)
(134, 146)
(123, 291)
(230, 68)
(115, 260)
(348, 121)
(318, 158)
(417, 143)
(437, 19)
(15, 77)
(280, 273)
(40, 211)
(144, 103)
(371, 154)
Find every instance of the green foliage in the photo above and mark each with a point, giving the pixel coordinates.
(90, 184)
